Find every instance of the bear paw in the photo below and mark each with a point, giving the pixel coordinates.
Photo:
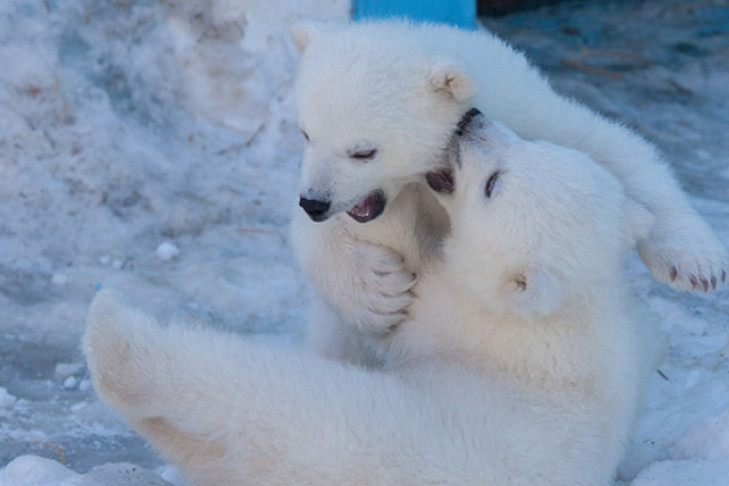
(118, 343)
(686, 258)
(383, 291)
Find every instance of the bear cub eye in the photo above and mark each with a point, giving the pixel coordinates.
(366, 154)
(491, 183)
(305, 135)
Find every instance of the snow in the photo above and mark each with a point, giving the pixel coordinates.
(66, 370)
(695, 471)
(125, 125)
(6, 399)
(32, 470)
(39, 471)
(166, 251)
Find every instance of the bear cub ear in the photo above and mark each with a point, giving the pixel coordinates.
(534, 290)
(303, 32)
(448, 79)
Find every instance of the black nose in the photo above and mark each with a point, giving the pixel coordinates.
(317, 210)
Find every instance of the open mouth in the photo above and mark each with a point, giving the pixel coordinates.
(441, 181)
(369, 208)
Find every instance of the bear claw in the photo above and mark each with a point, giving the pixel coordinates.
(699, 268)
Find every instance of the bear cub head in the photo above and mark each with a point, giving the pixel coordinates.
(373, 117)
(533, 225)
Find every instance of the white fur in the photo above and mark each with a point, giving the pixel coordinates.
(521, 364)
(531, 288)
(401, 88)
(229, 412)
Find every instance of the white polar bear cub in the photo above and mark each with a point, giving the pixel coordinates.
(521, 366)
(531, 287)
(377, 102)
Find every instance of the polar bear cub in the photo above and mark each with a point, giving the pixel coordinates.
(531, 286)
(377, 102)
(228, 412)
(525, 374)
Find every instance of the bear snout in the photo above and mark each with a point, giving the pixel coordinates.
(316, 209)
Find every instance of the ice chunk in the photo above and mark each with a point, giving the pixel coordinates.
(36, 471)
(166, 251)
(6, 399)
(64, 370)
(69, 382)
(85, 385)
(39, 471)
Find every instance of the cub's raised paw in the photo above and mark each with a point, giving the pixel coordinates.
(686, 260)
(384, 289)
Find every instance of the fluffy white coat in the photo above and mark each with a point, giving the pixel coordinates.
(522, 363)
(398, 89)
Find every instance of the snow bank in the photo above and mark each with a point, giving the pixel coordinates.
(124, 125)
(37, 471)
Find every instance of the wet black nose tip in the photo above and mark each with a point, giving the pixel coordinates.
(317, 210)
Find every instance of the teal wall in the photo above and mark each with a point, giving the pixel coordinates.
(461, 13)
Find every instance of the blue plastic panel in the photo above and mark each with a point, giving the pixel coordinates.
(461, 13)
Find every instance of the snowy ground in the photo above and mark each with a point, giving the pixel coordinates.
(128, 124)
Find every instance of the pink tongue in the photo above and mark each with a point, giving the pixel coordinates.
(364, 208)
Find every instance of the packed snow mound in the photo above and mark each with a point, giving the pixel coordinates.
(38, 471)
(119, 167)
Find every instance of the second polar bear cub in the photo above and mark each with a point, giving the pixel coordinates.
(531, 286)
(522, 363)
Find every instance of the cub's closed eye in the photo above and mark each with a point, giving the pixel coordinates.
(305, 135)
(491, 183)
(367, 154)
